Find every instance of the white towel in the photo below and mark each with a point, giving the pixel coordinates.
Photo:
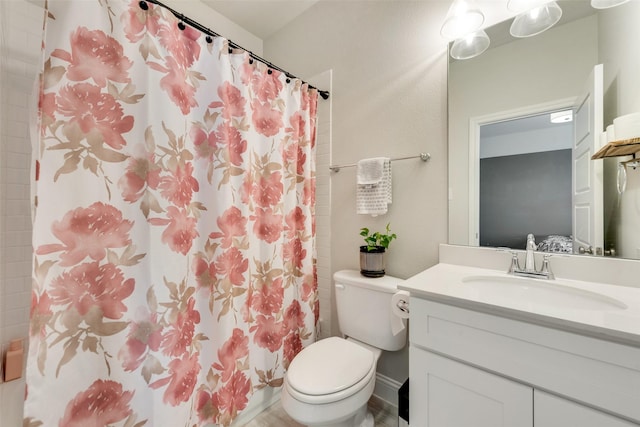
(373, 186)
(369, 171)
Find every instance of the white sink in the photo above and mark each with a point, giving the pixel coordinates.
(539, 292)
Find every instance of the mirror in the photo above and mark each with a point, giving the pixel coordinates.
(524, 77)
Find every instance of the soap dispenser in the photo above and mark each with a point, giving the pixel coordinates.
(13, 361)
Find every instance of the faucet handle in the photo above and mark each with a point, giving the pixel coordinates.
(515, 263)
(546, 266)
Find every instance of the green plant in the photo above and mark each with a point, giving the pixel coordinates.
(376, 239)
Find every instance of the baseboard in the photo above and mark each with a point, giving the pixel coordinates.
(387, 389)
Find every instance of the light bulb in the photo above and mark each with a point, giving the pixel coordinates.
(470, 45)
(463, 17)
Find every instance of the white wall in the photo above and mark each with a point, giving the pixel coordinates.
(323, 202)
(21, 27)
(528, 141)
(389, 67)
(551, 66)
(618, 51)
(203, 14)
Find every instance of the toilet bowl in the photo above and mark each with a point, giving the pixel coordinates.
(330, 382)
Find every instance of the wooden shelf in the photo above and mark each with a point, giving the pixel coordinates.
(623, 147)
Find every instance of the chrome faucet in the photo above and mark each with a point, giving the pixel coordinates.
(529, 269)
(530, 261)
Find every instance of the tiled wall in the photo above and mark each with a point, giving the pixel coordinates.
(21, 26)
(323, 200)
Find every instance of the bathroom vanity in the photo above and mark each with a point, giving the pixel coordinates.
(491, 349)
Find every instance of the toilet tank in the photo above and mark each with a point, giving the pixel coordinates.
(364, 309)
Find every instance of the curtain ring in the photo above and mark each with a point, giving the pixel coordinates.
(181, 26)
(209, 39)
(143, 5)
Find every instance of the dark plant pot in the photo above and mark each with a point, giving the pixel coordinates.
(372, 261)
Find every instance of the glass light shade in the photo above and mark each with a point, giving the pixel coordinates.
(470, 46)
(536, 20)
(606, 4)
(463, 17)
(520, 6)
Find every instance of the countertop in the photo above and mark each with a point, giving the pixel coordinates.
(617, 320)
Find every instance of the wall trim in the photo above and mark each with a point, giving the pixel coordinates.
(387, 389)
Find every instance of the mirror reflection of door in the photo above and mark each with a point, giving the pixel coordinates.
(525, 173)
(588, 217)
(536, 176)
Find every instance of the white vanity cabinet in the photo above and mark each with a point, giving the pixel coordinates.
(475, 366)
(554, 411)
(446, 393)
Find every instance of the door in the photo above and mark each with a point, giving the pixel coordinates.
(587, 203)
(446, 393)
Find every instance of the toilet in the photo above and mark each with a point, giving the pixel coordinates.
(330, 382)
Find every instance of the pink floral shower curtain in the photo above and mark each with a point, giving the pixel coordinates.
(174, 267)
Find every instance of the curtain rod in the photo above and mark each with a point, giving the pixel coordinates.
(184, 19)
(422, 156)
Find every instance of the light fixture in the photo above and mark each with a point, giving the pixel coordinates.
(561, 116)
(463, 17)
(536, 20)
(470, 45)
(519, 6)
(606, 4)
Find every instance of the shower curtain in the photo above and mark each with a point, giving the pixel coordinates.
(174, 266)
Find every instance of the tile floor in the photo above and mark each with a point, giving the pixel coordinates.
(385, 415)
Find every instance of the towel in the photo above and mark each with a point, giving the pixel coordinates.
(373, 186)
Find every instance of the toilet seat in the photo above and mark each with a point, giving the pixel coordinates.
(330, 370)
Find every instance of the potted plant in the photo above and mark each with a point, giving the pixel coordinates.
(372, 255)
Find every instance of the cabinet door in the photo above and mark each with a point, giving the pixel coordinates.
(446, 393)
(554, 411)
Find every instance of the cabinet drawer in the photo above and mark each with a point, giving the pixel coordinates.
(596, 372)
(553, 411)
(449, 393)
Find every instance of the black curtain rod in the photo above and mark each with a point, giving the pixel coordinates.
(186, 20)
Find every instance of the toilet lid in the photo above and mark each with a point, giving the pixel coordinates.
(329, 366)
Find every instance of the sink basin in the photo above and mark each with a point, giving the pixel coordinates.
(533, 291)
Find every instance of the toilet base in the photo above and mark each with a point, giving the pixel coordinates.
(335, 414)
(368, 420)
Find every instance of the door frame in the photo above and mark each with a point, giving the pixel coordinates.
(474, 151)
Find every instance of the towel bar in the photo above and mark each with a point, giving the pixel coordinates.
(422, 156)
